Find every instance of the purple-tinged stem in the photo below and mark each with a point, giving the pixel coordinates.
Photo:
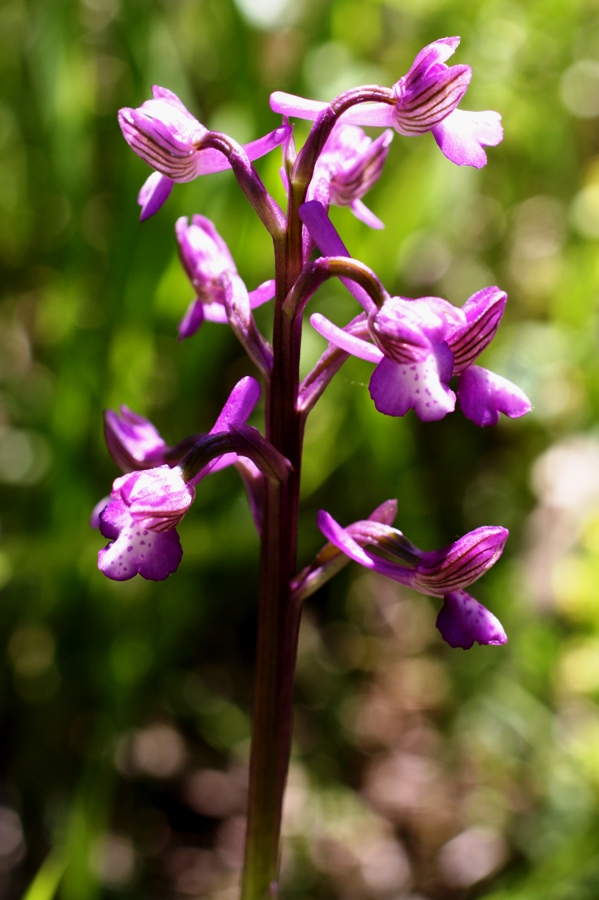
(278, 615)
(250, 182)
(278, 618)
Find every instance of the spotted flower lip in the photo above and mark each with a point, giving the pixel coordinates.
(135, 550)
(165, 134)
(426, 99)
(440, 573)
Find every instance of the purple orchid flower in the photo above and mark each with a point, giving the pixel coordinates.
(419, 345)
(440, 573)
(165, 135)
(426, 99)
(347, 168)
(210, 268)
(140, 516)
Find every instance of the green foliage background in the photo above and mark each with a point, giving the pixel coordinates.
(120, 702)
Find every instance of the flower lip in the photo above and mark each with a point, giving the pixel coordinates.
(462, 620)
(134, 549)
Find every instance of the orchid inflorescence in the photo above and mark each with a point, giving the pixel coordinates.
(416, 345)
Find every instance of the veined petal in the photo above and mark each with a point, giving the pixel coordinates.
(483, 313)
(348, 342)
(461, 563)
(463, 620)
(483, 395)
(167, 149)
(407, 330)
(437, 52)
(396, 387)
(165, 135)
(463, 134)
(424, 102)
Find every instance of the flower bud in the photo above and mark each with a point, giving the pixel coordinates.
(132, 441)
(205, 257)
(164, 134)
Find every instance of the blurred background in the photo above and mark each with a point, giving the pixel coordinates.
(418, 771)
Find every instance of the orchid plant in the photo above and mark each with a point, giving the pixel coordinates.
(416, 345)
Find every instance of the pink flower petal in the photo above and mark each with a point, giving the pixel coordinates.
(463, 620)
(239, 406)
(153, 193)
(397, 387)
(263, 293)
(462, 135)
(361, 212)
(483, 395)
(340, 338)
